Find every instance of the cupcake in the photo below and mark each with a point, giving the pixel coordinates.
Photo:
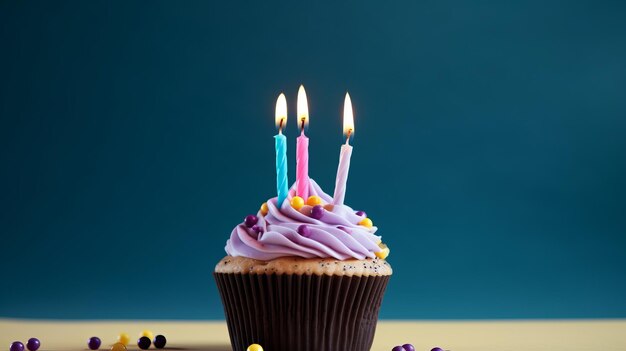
(303, 275)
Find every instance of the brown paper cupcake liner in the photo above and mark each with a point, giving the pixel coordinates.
(301, 312)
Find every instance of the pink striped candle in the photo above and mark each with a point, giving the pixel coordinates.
(302, 168)
(302, 148)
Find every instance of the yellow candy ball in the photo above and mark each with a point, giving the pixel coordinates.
(264, 209)
(147, 333)
(314, 200)
(382, 253)
(123, 339)
(366, 222)
(329, 207)
(297, 202)
(118, 346)
(255, 347)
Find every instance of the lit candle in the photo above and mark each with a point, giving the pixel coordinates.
(302, 148)
(346, 153)
(282, 186)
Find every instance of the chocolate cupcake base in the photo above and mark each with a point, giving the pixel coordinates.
(286, 312)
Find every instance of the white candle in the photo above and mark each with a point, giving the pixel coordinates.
(345, 154)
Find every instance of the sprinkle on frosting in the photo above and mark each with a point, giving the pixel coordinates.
(339, 233)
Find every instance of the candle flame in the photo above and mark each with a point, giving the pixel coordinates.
(303, 108)
(348, 117)
(281, 112)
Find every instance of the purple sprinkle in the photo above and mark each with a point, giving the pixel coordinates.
(33, 344)
(398, 348)
(317, 212)
(436, 349)
(250, 220)
(144, 342)
(17, 346)
(94, 343)
(159, 341)
(304, 230)
(408, 347)
(361, 213)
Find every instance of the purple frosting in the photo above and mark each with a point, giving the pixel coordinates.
(336, 234)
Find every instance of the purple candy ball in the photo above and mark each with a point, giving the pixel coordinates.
(408, 347)
(436, 349)
(317, 212)
(250, 220)
(144, 342)
(159, 341)
(33, 344)
(16, 346)
(94, 343)
(361, 213)
(304, 230)
(398, 348)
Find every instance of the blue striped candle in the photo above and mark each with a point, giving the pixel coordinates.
(282, 181)
(281, 168)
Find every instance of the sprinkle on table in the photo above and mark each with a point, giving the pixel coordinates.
(159, 341)
(94, 343)
(255, 347)
(33, 344)
(123, 339)
(118, 346)
(16, 346)
(144, 342)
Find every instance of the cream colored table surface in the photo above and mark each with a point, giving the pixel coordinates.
(570, 335)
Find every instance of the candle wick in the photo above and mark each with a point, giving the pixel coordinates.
(280, 126)
(348, 137)
(302, 125)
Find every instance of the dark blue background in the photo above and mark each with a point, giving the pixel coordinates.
(490, 149)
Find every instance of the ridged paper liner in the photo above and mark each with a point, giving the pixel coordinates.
(301, 312)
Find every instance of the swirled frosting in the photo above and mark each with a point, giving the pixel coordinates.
(337, 234)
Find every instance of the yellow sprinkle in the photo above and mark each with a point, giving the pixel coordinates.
(118, 346)
(297, 202)
(366, 222)
(382, 253)
(314, 200)
(123, 339)
(255, 347)
(147, 333)
(379, 242)
(264, 209)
